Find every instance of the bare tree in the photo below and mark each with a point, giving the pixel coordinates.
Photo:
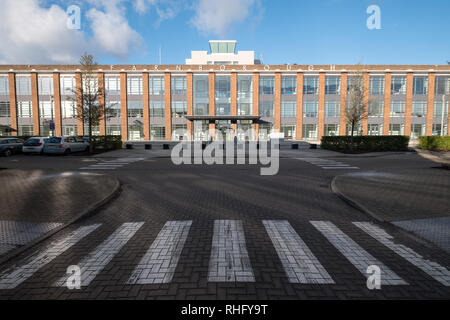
(357, 104)
(90, 92)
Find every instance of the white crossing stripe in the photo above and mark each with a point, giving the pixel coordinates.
(433, 269)
(300, 264)
(327, 164)
(11, 278)
(161, 259)
(359, 257)
(96, 261)
(229, 260)
(111, 164)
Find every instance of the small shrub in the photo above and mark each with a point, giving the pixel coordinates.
(365, 143)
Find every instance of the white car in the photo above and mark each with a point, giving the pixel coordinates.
(65, 145)
(34, 145)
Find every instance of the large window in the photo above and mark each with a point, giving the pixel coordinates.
(311, 85)
(288, 131)
(156, 109)
(266, 85)
(417, 130)
(332, 84)
(24, 109)
(266, 109)
(178, 85)
(46, 109)
(135, 109)
(222, 95)
(397, 109)
(134, 85)
(4, 85)
(396, 129)
(310, 109)
(113, 109)
(288, 85)
(398, 85)
(331, 109)
(420, 85)
(23, 85)
(157, 132)
(45, 85)
(442, 85)
(156, 85)
(376, 85)
(4, 109)
(375, 129)
(67, 84)
(419, 108)
(437, 110)
(112, 85)
(376, 108)
(179, 109)
(331, 129)
(69, 109)
(244, 95)
(288, 109)
(201, 95)
(309, 131)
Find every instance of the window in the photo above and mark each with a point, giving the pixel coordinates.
(331, 130)
(310, 109)
(419, 108)
(69, 109)
(244, 95)
(179, 109)
(24, 109)
(265, 129)
(397, 109)
(134, 85)
(68, 85)
(23, 85)
(156, 109)
(309, 131)
(376, 108)
(417, 130)
(112, 85)
(179, 131)
(332, 84)
(356, 129)
(4, 86)
(69, 130)
(375, 129)
(331, 109)
(436, 129)
(311, 85)
(136, 131)
(420, 85)
(157, 132)
(222, 87)
(222, 108)
(113, 130)
(46, 109)
(113, 109)
(442, 85)
(398, 85)
(288, 85)
(45, 85)
(289, 131)
(135, 109)
(178, 84)
(376, 85)
(25, 130)
(90, 84)
(266, 85)
(156, 85)
(396, 129)
(201, 87)
(201, 109)
(288, 109)
(437, 110)
(266, 109)
(4, 109)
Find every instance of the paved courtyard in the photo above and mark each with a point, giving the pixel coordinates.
(226, 232)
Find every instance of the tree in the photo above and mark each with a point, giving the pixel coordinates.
(357, 104)
(88, 94)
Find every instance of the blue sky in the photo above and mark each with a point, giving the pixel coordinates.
(303, 32)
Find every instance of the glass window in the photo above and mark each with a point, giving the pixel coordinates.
(376, 108)
(311, 85)
(375, 129)
(420, 85)
(437, 110)
(157, 132)
(23, 85)
(135, 131)
(397, 109)
(46, 109)
(310, 109)
(90, 84)
(419, 108)
(265, 129)
(113, 130)
(69, 109)
(178, 84)
(266, 108)
(396, 129)
(135, 109)
(309, 131)
(417, 130)
(437, 129)
(134, 85)
(288, 85)
(266, 85)
(24, 109)
(156, 109)
(201, 95)
(68, 85)
(4, 109)
(25, 130)
(112, 85)
(376, 85)
(45, 85)
(113, 109)
(179, 109)
(244, 95)
(331, 129)
(332, 109)
(4, 85)
(69, 129)
(289, 131)
(288, 109)
(222, 89)
(398, 85)
(332, 84)
(442, 85)
(156, 85)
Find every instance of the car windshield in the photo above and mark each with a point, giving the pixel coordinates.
(32, 141)
(53, 140)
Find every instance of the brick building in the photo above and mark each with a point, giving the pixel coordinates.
(148, 102)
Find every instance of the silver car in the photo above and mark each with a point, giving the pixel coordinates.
(8, 146)
(34, 145)
(65, 145)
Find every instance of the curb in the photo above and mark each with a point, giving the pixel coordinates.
(85, 213)
(352, 202)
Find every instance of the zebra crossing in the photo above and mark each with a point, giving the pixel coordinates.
(229, 259)
(111, 164)
(328, 164)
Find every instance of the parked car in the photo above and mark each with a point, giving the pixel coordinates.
(65, 145)
(34, 145)
(9, 146)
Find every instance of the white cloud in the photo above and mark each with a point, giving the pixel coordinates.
(31, 34)
(217, 16)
